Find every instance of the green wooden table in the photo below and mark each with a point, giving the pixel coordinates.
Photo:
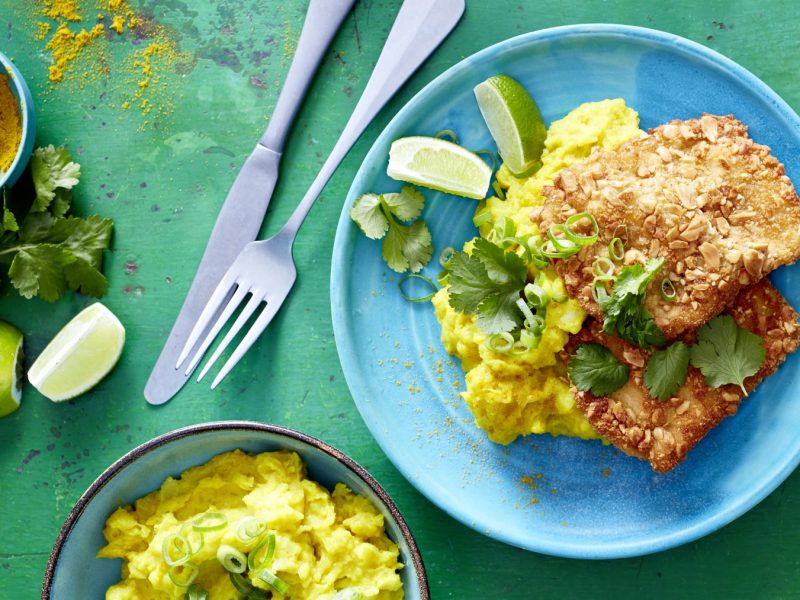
(163, 182)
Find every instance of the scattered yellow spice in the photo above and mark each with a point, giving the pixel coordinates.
(10, 124)
(62, 9)
(66, 45)
(118, 24)
(44, 29)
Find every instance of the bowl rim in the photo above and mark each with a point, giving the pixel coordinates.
(183, 432)
(24, 99)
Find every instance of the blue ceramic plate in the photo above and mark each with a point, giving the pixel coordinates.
(144, 469)
(558, 496)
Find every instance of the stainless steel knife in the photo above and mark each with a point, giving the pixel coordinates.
(240, 218)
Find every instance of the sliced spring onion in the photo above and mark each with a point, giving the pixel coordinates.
(492, 157)
(447, 134)
(529, 339)
(580, 238)
(616, 249)
(250, 529)
(526, 310)
(498, 190)
(176, 549)
(621, 231)
(348, 594)
(599, 291)
(210, 521)
(241, 583)
(265, 544)
(536, 295)
(446, 255)
(668, 291)
(500, 342)
(427, 280)
(273, 581)
(603, 269)
(231, 558)
(195, 592)
(183, 575)
(481, 218)
(538, 259)
(196, 539)
(443, 278)
(504, 228)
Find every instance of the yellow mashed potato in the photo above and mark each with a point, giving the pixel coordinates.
(324, 542)
(513, 395)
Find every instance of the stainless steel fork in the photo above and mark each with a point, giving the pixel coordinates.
(265, 270)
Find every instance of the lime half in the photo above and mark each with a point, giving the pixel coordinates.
(10, 368)
(439, 164)
(80, 355)
(514, 121)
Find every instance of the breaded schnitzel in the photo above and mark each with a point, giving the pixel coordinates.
(662, 432)
(700, 194)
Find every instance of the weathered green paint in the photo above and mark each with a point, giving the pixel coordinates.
(163, 186)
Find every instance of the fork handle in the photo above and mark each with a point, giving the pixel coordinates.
(420, 26)
(321, 23)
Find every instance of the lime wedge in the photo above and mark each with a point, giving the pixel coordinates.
(80, 355)
(514, 121)
(439, 164)
(10, 368)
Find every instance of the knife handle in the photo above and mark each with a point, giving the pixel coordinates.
(323, 19)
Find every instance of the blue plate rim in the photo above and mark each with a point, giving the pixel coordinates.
(132, 455)
(338, 290)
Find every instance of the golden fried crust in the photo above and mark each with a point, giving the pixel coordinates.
(700, 194)
(662, 432)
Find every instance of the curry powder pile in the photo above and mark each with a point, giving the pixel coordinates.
(10, 125)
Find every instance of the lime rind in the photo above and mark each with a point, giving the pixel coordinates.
(11, 353)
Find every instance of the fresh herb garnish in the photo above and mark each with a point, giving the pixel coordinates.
(488, 283)
(595, 368)
(405, 247)
(666, 371)
(46, 251)
(624, 310)
(726, 353)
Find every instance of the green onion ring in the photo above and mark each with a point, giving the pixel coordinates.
(484, 152)
(529, 339)
(210, 521)
(189, 532)
(668, 291)
(250, 528)
(443, 278)
(482, 218)
(621, 231)
(172, 541)
(616, 249)
(273, 581)
(427, 280)
(498, 190)
(447, 133)
(195, 592)
(231, 558)
(268, 541)
(536, 295)
(505, 338)
(562, 244)
(579, 238)
(526, 310)
(599, 292)
(535, 325)
(241, 583)
(178, 577)
(603, 268)
(446, 255)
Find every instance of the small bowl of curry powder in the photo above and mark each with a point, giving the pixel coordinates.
(17, 123)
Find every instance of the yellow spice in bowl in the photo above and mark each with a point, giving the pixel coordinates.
(10, 124)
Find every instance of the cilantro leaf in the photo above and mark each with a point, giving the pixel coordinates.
(367, 214)
(405, 205)
(52, 168)
(488, 283)
(8, 221)
(726, 353)
(666, 371)
(624, 309)
(595, 368)
(407, 247)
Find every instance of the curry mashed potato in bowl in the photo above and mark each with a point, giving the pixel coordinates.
(514, 394)
(260, 510)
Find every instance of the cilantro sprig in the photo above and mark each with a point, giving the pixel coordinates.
(624, 310)
(405, 247)
(726, 353)
(488, 282)
(594, 368)
(46, 251)
(666, 370)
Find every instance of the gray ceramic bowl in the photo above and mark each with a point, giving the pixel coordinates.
(74, 572)
(23, 94)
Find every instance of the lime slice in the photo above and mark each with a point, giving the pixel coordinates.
(10, 368)
(80, 355)
(439, 164)
(514, 121)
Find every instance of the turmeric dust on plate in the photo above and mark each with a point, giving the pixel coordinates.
(10, 124)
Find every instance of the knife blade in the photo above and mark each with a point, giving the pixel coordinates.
(245, 206)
